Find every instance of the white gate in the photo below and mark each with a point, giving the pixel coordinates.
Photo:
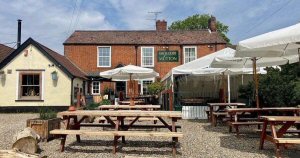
(194, 112)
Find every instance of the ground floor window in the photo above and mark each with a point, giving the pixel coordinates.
(95, 87)
(30, 85)
(143, 85)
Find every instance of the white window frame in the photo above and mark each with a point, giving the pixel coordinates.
(92, 88)
(142, 64)
(98, 55)
(189, 47)
(142, 84)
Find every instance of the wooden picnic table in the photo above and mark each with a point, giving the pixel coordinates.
(236, 114)
(128, 107)
(276, 137)
(220, 106)
(120, 128)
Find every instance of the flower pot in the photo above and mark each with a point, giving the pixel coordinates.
(72, 108)
(43, 127)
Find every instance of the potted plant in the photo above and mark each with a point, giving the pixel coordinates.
(46, 122)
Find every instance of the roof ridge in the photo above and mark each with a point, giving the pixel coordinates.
(139, 30)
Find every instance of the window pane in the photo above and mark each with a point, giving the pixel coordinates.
(148, 56)
(104, 56)
(190, 54)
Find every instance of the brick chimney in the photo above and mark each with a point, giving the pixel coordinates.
(161, 25)
(212, 24)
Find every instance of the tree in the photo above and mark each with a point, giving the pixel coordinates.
(197, 22)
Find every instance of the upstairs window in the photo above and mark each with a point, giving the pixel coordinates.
(30, 86)
(190, 54)
(147, 56)
(104, 56)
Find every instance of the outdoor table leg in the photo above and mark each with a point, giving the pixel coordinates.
(116, 137)
(211, 109)
(77, 127)
(64, 137)
(263, 134)
(174, 140)
(122, 126)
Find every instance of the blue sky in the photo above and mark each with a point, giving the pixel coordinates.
(52, 21)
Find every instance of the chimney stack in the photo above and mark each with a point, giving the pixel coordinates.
(19, 33)
(161, 25)
(212, 24)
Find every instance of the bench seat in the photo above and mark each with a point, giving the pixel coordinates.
(287, 140)
(237, 124)
(117, 133)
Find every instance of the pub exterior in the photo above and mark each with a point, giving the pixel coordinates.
(161, 49)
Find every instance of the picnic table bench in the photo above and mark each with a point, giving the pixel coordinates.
(121, 130)
(128, 107)
(276, 137)
(217, 109)
(237, 116)
(127, 102)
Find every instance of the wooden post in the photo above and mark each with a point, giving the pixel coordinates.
(131, 91)
(224, 87)
(171, 99)
(255, 78)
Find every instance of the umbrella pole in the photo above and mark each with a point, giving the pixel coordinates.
(224, 87)
(228, 87)
(131, 91)
(255, 78)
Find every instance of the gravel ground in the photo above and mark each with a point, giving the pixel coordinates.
(200, 140)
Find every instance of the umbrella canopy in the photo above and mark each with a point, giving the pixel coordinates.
(129, 72)
(282, 42)
(238, 62)
(225, 71)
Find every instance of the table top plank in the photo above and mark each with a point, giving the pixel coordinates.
(226, 104)
(133, 113)
(233, 110)
(129, 107)
(281, 118)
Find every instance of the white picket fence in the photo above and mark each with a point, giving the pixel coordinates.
(194, 112)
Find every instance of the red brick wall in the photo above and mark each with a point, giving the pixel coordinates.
(85, 56)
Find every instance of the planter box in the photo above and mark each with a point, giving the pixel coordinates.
(43, 127)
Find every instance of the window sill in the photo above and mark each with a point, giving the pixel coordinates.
(29, 100)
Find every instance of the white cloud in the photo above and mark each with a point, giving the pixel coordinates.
(47, 21)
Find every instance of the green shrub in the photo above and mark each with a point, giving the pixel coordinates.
(47, 113)
(155, 88)
(92, 106)
(281, 87)
(105, 102)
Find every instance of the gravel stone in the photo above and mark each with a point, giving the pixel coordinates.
(200, 140)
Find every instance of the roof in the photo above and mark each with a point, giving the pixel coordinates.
(187, 37)
(59, 60)
(4, 51)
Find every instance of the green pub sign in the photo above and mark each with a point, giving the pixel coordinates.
(168, 56)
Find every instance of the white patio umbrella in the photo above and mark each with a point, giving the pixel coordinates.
(282, 43)
(237, 62)
(129, 72)
(278, 43)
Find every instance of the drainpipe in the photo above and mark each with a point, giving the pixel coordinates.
(19, 33)
(136, 54)
(72, 79)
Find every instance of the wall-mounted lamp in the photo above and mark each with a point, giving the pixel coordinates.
(210, 46)
(54, 75)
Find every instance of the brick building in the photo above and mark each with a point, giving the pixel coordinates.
(160, 49)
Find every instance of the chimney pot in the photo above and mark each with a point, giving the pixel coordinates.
(19, 33)
(212, 24)
(161, 25)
